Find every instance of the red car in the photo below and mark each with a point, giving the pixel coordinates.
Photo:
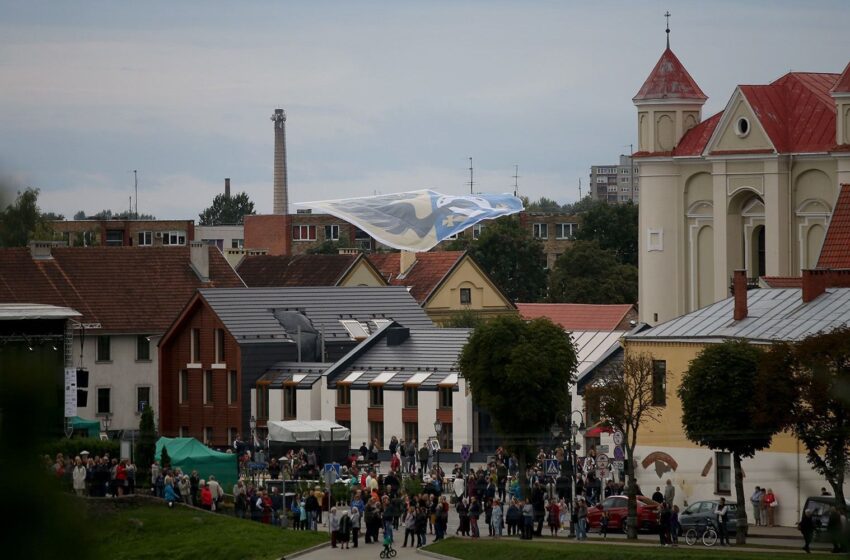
(617, 508)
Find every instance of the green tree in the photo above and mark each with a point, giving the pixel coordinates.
(146, 447)
(587, 273)
(329, 247)
(542, 204)
(719, 410)
(164, 459)
(614, 227)
(512, 258)
(227, 210)
(464, 319)
(625, 398)
(520, 373)
(580, 206)
(22, 221)
(818, 370)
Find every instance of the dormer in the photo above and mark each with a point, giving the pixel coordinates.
(841, 93)
(669, 104)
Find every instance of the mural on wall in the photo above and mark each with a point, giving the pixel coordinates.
(662, 462)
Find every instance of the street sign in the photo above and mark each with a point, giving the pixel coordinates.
(332, 467)
(465, 453)
(618, 454)
(602, 448)
(588, 464)
(618, 465)
(551, 467)
(618, 438)
(602, 461)
(602, 472)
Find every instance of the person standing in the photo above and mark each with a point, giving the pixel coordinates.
(581, 514)
(423, 459)
(344, 527)
(834, 528)
(79, 477)
(807, 528)
(355, 517)
(657, 496)
(664, 524)
(771, 503)
(722, 514)
(216, 490)
(755, 500)
(674, 525)
(474, 514)
(669, 492)
(527, 520)
(497, 518)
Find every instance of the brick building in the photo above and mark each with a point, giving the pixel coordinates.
(123, 233)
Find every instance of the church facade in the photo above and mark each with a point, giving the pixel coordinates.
(751, 187)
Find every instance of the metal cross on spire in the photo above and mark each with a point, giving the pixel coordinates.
(667, 16)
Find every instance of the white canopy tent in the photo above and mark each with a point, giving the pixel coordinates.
(296, 431)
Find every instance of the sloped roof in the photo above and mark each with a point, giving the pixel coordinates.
(694, 141)
(248, 314)
(773, 315)
(669, 80)
(835, 252)
(423, 276)
(577, 316)
(125, 289)
(782, 281)
(27, 311)
(264, 271)
(842, 84)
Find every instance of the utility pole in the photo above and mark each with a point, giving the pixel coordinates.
(136, 185)
(471, 182)
(516, 180)
(579, 188)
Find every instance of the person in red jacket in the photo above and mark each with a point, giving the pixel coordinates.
(206, 496)
(121, 477)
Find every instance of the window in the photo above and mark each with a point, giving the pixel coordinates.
(104, 348)
(196, 346)
(540, 231)
(208, 387)
(447, 437)
(104, 400)
(237, 243)
(343, 395)
(355, 329)
(565, 231)
(723, 473)
(145, 238)
(208, 434)
(231, 435)
(143, 348)
(233, 388)
(446, 397)
(303, 233)
(376, 432)
(219, 346)
(115, 237)
(411, 431)
(184, 386)
(476, 230)
(332, 232)
(465, 296)
(742, 127)
(411, 397)
(262, 402)
(143, 398)
(659, 383)
(290, 406)
(174, 238)
(376, 395)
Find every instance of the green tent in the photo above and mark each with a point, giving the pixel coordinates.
(190, 454)
(91, 427)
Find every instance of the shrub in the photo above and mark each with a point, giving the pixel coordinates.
(72, 447)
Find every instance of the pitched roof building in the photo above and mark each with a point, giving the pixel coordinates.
(582, 317)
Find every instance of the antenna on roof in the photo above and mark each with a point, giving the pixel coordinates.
(471, 182)
(516, 179)
(667, 16)
(136, 184)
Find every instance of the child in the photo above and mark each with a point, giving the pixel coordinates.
(603, 525)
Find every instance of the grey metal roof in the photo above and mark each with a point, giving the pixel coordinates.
(773, 315)
(248, 313)
(21, 311)
(308, 373)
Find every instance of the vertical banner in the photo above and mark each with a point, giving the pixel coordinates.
(70, 392)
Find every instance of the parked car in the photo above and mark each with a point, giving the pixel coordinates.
(820, 510)
(700, 514)
(617, 508)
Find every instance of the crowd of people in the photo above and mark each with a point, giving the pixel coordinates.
(95, 476)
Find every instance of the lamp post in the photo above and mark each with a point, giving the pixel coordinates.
(438, 428)
(574, 430)
(105, 421)
(252, 423)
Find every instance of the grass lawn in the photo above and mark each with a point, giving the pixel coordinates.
(516, 550)
(151, 530)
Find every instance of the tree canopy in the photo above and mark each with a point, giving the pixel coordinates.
(520, 373)
(227, 210)
(587, 273)
(22, 221)
(329, 247)
(512, 258)
(614, 227)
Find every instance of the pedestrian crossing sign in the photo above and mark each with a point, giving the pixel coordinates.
(551, 467)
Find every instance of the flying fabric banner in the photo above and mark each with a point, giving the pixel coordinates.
(418, 220)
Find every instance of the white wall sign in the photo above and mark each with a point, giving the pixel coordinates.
(70, 392)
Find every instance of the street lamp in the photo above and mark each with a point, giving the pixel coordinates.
(575, 429)
(438, 428)
(105, 421)
(252, 423)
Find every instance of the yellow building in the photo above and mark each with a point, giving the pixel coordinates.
(763, 316)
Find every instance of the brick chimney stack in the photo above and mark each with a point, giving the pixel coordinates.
(739, 291)
(281, 194)
(814, 283)
(227, 187)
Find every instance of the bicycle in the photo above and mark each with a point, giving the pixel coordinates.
(388, 551)
(708, 535)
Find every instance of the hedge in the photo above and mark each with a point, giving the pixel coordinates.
(72, 447)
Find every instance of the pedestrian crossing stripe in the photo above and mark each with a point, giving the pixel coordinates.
(552, 468)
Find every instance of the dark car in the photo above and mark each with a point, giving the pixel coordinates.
(820, 510)
(700, 514)
(617, 508)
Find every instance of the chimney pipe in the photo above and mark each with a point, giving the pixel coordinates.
(814, 283)
(199, 256)
(739, 291)
(405, 261)
(281, 194)
(227, 187)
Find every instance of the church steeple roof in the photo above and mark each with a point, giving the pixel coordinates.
(842, 85)
(669, 80)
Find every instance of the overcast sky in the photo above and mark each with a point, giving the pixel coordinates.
(380, 96)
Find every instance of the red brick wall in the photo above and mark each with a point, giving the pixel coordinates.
(270, 231)
(174, 355)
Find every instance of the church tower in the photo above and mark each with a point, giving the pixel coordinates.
(841, 93)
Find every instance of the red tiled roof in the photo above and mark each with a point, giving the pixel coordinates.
(669, 80)
(783, 281)
(125, 289)
(842, 85)
(578, 316)
(266, 271)
(694, 140)
(424, 275)
(835, 252)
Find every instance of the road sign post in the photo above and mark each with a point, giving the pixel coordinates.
(551, 467)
